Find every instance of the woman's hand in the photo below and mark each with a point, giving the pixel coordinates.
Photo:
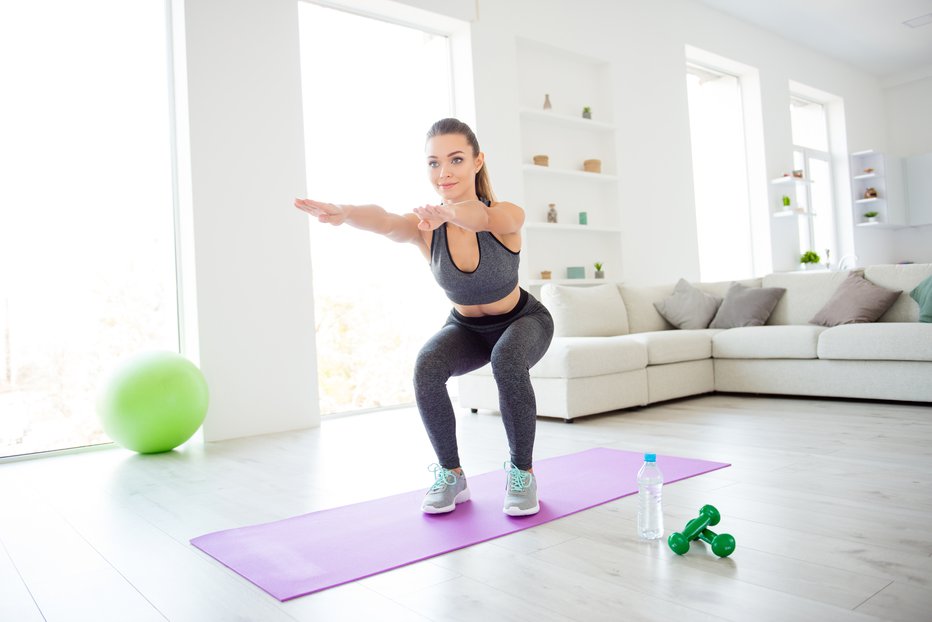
(432, 216)
(324, 212)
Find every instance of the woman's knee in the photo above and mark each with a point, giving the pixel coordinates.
(509, 363)
(430, 366)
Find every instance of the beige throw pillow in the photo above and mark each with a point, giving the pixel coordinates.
(596, 311)
(855, 301)
(746, 306)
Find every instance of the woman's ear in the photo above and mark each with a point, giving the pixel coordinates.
(480, 160)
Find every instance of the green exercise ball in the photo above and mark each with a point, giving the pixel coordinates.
(153, 402)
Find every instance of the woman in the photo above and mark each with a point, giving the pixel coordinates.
(472, 243)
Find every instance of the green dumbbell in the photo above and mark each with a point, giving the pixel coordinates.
(723, 545)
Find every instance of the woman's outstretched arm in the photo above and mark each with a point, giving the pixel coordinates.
(372, 218)
(502, 218)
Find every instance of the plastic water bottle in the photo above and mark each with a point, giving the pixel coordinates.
(650, 487)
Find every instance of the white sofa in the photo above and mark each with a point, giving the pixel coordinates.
(631, 356)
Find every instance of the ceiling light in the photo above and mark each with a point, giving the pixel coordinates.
(922, 20)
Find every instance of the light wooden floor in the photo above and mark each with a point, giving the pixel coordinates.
(830, 503)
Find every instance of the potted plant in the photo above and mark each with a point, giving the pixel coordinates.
(587, 112)
(810, 260)
(598, 270)
(786, 201)
(870, 216)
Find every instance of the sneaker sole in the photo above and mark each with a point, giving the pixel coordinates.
(515, 511)
(462, 496)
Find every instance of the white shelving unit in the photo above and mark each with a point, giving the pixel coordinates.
(884, 174)
(562, 227)
(577, 123)
(794, 188)
(572, 82)
(548, 171)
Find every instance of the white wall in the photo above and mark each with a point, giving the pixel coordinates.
(910, 131)
(254, 294)
(645, 42)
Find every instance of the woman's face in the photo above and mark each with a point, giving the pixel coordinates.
(452, 167)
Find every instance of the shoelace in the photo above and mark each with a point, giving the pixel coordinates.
(443, 477)
(518, 480)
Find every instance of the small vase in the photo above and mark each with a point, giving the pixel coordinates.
(547, 105)
(586, 114)
(600, 274)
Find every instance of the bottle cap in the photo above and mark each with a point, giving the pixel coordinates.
(650, 457)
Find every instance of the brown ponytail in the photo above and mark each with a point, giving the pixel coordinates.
(455, 126)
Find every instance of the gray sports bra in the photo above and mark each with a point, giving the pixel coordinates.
(495, 277)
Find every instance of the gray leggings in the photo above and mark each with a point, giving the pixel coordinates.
(512, 342)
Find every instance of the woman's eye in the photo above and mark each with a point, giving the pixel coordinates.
(457, 160)
(432, 164)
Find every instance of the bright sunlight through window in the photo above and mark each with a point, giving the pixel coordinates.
(716, 129)
(371, 89)
(87, 271)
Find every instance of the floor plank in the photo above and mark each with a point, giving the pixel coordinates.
(16, 602)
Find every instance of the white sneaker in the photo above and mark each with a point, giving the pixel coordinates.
(520, 492)
(448, 490)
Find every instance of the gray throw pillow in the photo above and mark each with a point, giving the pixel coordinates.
(856, 300)
(746, 306)
(688, 307)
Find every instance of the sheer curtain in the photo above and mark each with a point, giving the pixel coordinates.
(719, 175)
(371, 90)
(87, 270)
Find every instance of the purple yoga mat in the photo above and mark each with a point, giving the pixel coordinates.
(308, 553)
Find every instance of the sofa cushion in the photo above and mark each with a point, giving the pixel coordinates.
(639, 300)
(856, 300)
(878, 341)
(676, 346)
(899, 276)
(595, 311)
(806, 293)
(688, 307)
(922, 294)
(580, 357)
(746, 306)
(767, 342)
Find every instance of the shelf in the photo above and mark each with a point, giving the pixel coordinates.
(789, 212)
(873, 200)
(880, 225)
(566, 120)
(570, 227)
(790, 179)
(866, 176)
(568, 281)
(563, 172)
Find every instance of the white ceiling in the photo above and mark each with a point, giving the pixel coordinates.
(868, 34)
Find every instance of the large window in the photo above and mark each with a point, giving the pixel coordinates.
(371, 91)
(87, 271)
(811, 155)
(720, 174)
